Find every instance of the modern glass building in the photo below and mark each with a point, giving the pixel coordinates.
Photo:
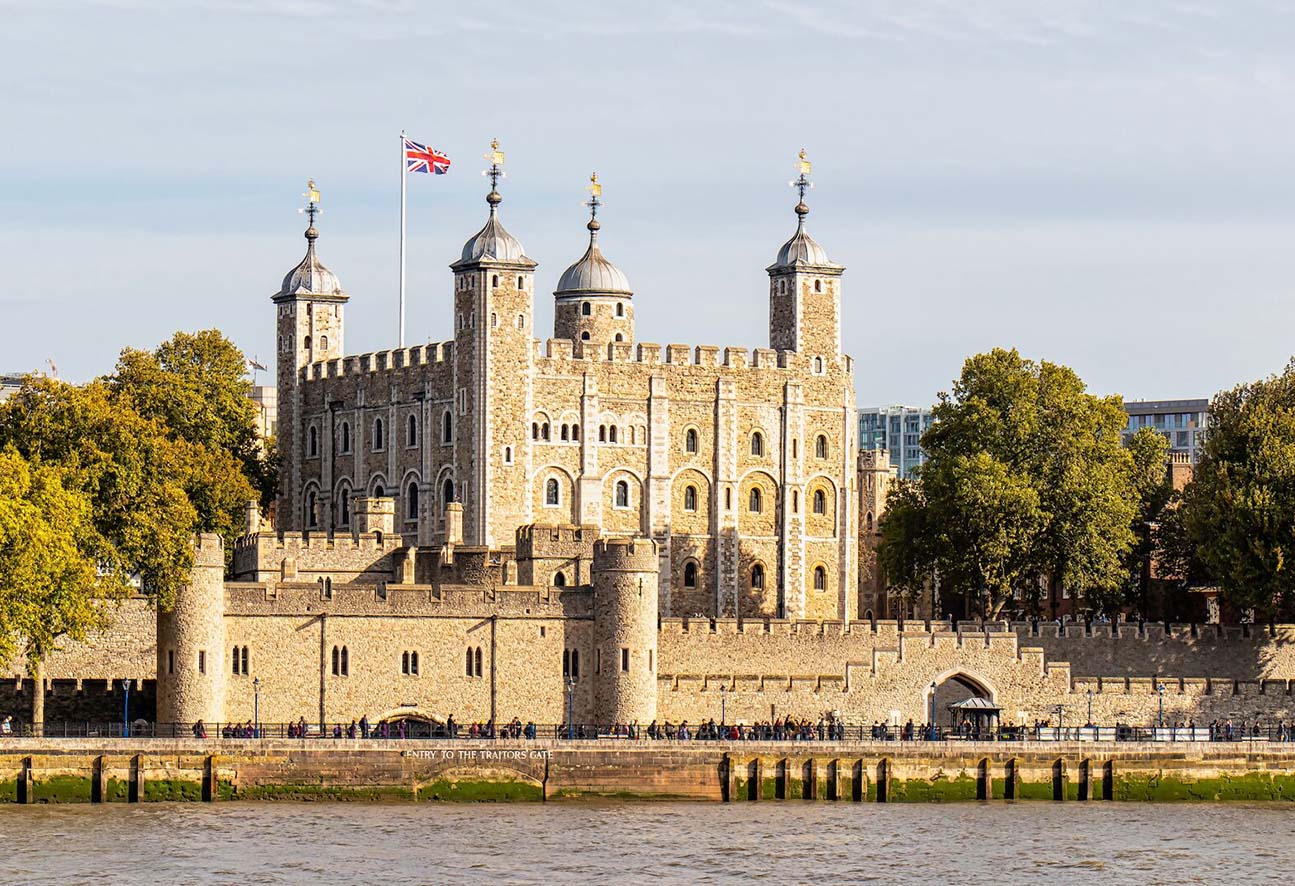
(1182, 422)
(897, 429)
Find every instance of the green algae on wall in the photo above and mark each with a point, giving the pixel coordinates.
(116, 791)
(939, 789)
(1246, 787)
(61, 789)
(161, 789)
(9, 791)
(316, 791)
(480, 791)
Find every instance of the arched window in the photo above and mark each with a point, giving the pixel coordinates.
(447, 428)
(535, 430)
(584, 336)
(378, 440)
(586, 309)
(690, 574)
(508, 455)
(575, 664)
(404, 663)
(447, 491)
(566, 662)
(754, 501)
(566, 432)
(544, 430)
(411, 433)
(820, 446)
(559, 580)
(413, 663)
(757, 577)
(346, 436)
(494, 279)
(379, 491)
(312, 442)
(611, 434)
(468, 662)
(478, 660)
(818, 365)
(337, 661)
(346, 662)
(575, 432)
(602, 433)
(551, 491)
(818, 285)
(521, 321)
(620, 309)
(620, 337)
(494, 320)
(820, 502)
(521, 283)
(307, 343)
(622, 494)
(345, 506)
(312, 519)
(411, 501)
(757, 443)
(690, 498)
(820, 578)
(868, 521)
(690, 440)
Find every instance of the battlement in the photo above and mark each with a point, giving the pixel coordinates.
(208, 550)
(540, 540)
(563, 351)
(443, 601)
(625, 555)
(380, 361)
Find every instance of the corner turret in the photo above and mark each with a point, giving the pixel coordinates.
(593, 302)
(625, 575)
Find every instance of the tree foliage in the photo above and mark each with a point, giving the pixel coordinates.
(195, 386)
(48, 547)
(1238, 514)
(1054, 499)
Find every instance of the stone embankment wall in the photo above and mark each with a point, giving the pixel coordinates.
(33, 771)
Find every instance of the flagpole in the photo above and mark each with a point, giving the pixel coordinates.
(403, 176)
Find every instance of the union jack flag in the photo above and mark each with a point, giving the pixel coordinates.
(420, 158)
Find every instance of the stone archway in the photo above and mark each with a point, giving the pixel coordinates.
(408, 722)
(953, 687)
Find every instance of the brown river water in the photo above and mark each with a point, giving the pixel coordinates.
(662, 842)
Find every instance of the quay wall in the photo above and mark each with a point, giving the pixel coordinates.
(53, 771)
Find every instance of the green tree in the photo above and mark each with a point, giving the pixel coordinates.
(906, 555)
(49, 584)
(132, 474)
(1041, 430)
(1149, 482)
(1238, 514)
(195, 385)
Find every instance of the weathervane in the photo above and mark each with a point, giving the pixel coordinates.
(312, 202)
(595, 191)
(802, 183)
(496, 171)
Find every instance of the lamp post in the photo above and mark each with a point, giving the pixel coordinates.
(723, 710)
(1090, 707)
(571, 706)
(932, 730)
(1160, 688)
(256, 707)
(125, 710)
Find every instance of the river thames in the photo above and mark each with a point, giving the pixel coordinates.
(632, 842)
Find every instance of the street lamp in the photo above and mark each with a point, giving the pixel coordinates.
(256, 707)
(1090, 707)
(571, 706)
(723, 710)
(125, 710)
(932, 733)
(1160, 688)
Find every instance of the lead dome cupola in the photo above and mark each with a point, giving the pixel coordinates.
(310, 276)
(802, 249)
(493, 243)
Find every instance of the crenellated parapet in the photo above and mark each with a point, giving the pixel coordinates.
(423, 601)
(393, 360)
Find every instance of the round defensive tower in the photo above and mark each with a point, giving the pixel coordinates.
(191, 642)
(625, 629)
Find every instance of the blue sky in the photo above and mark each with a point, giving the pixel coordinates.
(1109, 184)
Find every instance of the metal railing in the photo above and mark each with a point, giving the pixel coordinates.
(421, 730)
